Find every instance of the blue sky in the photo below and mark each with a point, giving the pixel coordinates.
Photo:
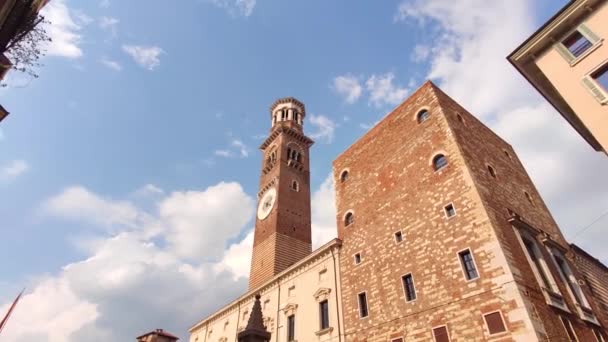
(139, 140)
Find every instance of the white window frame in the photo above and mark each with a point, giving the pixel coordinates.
(564, 320)
(439, 326)
(504, 322)
(359, 305)
(563, 50)
(591, 85)
(597, 333)
(553, 295)
(462, 268)
(405, 291)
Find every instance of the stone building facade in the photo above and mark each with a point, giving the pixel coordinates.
(441, 236)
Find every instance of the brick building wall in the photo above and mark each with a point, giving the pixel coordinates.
(595, 274)
(392, 186)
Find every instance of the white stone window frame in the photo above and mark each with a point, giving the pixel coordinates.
(401, 281)
(297, 188)
(447, 330)
(563, 50)
(595, 89)
(462, 267)
(359, 305)
(445, 211)
(553, 296)
(584, 309)
(597, 333)
(504, 322)
(564, 320)
(322, 294)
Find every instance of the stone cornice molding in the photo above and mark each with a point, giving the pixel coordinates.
(288, 100)
(322, 294)
(290, 309)
(289, 131)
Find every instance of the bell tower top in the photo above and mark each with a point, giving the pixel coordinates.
(288, 111)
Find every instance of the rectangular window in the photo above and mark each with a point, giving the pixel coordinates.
(535, 256)
(324, 314)
(322, 275)
(408, 287)
(398, 236)
(569, 330)
(468, 265)
(363, 305)
(495, 323)
(357, 258)
(291, 328)
(576, 43)
(601, 77)
(291, 291)
(449, 210)
(598, 336)
(568, 277)
(440, 334)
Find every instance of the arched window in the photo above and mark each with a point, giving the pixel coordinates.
(295, 116)
(439, 162)
(423, 115)
(283, 114)
(349, 219)
(491, 171)
(344, 176)
(295, 186)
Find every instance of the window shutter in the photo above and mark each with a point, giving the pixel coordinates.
(564, 52)
(585, 31)
(594, 90)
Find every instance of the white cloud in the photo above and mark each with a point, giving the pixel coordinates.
(63, 30)
(348, 86)
(325, 128)
(149, 190)
(383, 91)
(243, 150)
(237, 258)
(224, 153)
(147, 57)
(13, 170)
(112, 64)
(469, 61)
(324, 213)
(420, 53)
(236, 7)
(236, 148)
(109, 24)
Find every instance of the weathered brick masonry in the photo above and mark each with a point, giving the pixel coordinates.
(392, 186)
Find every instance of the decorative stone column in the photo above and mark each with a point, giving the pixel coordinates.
(255, 330)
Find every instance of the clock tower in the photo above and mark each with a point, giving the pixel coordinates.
(282, 228)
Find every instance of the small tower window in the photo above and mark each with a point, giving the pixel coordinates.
(344, 176)
(450, 211)
(349, 219)
(283, 114)
(398, 236)
(460, 118)
(357, 258)
(423, 115)
(491, 171)
(528, 197)
(363, 305)
(439, 162)
(295, 116)
(295, 186)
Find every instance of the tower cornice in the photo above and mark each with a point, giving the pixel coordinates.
(288, 100)
(289, 131)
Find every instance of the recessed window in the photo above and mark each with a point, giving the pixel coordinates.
(439, 162)
(491, 171)
(450, 211)
(568, 277)
(440, 334)
(362, 297)
(423, 115)
(344, 176)
(291, 328)
(468, 264)
(295, 186)
(266, 304)
(507, 154)
(576, 43)
(537, 263)
(324, 315)
(349, 219)
(460, 117)
(357, 258)
(291, 291)
(528, 197)
(598, 336)
(323, 275)
(495, 323)
(569, 329)
(400, 339)
(398, 236)
(408, 287)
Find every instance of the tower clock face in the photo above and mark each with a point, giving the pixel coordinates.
(266, 203)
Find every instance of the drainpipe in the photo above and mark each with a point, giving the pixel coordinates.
(336, 291)
(278, 310)
(238, 317)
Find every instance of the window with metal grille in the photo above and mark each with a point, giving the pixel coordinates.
(468, 264)
(495, 323)
(324, 314)
(363, 305)
(408, 287)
